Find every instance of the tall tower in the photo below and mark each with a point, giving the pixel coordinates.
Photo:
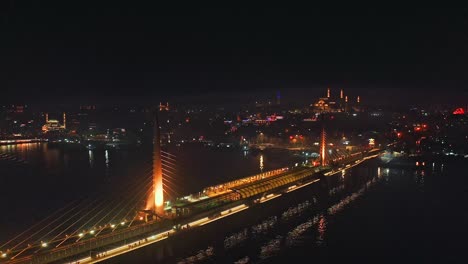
(323, 144)
(328, 92)
(64, 120)
(346, 103)
(358, 103)
(342, 99)
(158, 207)
(47, 117)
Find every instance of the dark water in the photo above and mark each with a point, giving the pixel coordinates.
(371, 214)
(37, 179)
(412, 216)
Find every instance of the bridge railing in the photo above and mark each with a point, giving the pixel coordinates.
(84, 247)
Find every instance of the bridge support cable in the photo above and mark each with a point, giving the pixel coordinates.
(87, 223)
(168, 174)
(81, 218)
(142, 190)
(171, 192)
(67, 228)
(168, 153)
(168, 168)
(138, 184)
(167, 163)
(168, 159)
(37, 224)
(148, 192)
(43, 228)
(133, 201)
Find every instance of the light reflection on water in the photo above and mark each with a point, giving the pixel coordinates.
(261, 163)
(322, 229)
(326, 221)
(107, 161)
(91, 158)
(58, 175)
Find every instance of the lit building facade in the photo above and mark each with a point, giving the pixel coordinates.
(54, 124)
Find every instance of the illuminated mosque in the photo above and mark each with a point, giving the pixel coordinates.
(54, 124)
(329, 105)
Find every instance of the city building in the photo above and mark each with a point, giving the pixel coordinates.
(54, 124)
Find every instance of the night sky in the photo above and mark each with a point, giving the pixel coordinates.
(76, 51)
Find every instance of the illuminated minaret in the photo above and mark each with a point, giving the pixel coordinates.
(157, 169)
(341, 99)
(346, 103)
(358, 99)
(47, 117)
(328, 92)
(64, 120)
(323, 143)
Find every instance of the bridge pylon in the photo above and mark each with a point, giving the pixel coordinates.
(323, 147)
(155, 201)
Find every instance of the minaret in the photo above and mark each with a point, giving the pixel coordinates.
(358, 103)
(328, 92)
(346, 103)
(64, 120)
(46, 117)
(157, 168)
(341, 99)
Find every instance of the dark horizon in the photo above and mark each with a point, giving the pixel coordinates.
(100, 53)
(379, 97)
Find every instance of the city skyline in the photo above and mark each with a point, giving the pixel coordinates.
(165, 132)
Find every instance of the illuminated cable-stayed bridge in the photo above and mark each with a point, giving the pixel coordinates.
(139, 212)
